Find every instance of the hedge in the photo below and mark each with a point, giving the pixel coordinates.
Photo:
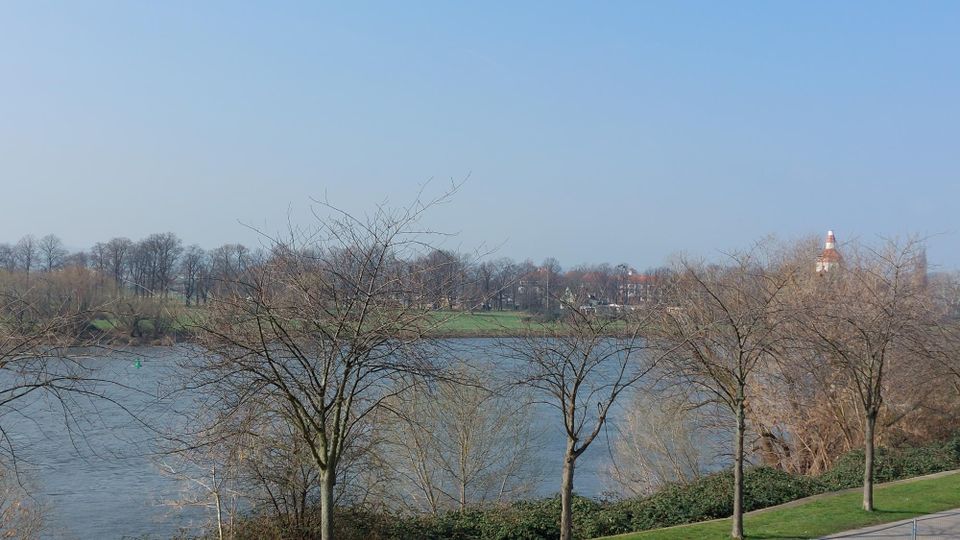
(707, 498)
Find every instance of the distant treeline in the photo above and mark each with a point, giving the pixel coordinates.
(324, 390)
(161, 266)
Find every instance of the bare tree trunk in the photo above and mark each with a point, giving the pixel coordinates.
(737, 530)
(326, 504)
(216, 496)
(566, 493)
(868, 461)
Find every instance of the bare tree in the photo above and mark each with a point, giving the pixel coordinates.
(250, 460)
(8, 257)
(117, 255)
(52, 252)
(550, 271)
(21, 516)
(580, 367)
(193, 268)
(662, 440)
(77, 259)
(441, 276)
(504, 284)
(228, 261)
(458, 443)
(157, 257)
(282, 475)
(865, 317)
(41, 344)
(318, 333)
(482, 287)
(210, 477)
(722, 327)
(26, 253)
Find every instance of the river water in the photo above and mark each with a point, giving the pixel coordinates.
(96, 475)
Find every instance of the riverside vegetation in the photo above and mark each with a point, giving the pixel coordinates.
(325, 407)
(675, 504)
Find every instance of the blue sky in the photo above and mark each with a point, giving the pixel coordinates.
(620, 132)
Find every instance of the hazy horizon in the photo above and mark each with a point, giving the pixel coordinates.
(592, 133)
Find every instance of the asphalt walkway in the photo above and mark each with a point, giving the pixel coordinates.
(944, 524)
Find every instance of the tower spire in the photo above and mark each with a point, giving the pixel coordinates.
(830, 258)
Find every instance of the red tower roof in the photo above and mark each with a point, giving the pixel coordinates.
(830, 253)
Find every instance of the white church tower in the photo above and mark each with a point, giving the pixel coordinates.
(830, 258)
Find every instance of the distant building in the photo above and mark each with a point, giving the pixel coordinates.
(641, 288)
(830, 258)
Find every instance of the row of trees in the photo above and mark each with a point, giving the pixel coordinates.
(157, 265)
(160, 265)
(762, 328)
(321, 338)
(318, 382)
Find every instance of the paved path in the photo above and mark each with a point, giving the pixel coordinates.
(940, 525)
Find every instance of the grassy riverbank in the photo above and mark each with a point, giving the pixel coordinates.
(175, 324)
(481, 324)
(498, 324)
(826, 514)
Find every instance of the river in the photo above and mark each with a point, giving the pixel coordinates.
(97, 477)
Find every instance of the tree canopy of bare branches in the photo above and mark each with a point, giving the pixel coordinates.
(580, 367)
(321, 333)
(460, 442)
(721, 328)
(871, 315)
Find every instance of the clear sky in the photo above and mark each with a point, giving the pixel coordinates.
(591, 132)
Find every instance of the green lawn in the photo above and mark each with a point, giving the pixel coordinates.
(481, 323)
(448, 323)
(492, 323)
(454, 323)
(827, 515)
(183, 318)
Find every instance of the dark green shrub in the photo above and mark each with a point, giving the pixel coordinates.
(708, 498)
(524, 520)
(712, 498)
(765, 486)
(847, 472)
(928, 459)
(894, 464)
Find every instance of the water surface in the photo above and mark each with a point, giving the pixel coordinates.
(97, 475)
